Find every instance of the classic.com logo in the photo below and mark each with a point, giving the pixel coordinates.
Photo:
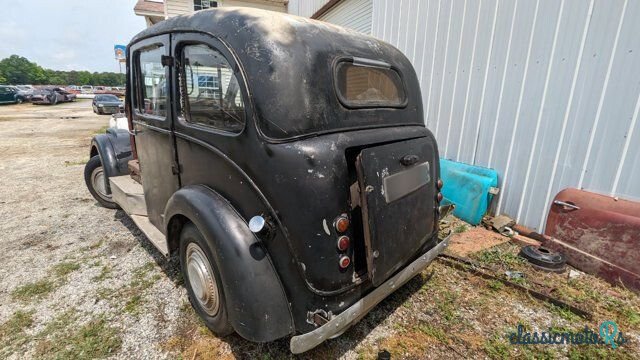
(607, 334)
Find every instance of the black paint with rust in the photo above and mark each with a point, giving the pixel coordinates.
(294, 162)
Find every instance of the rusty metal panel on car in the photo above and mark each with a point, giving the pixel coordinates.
(598, 234)
(398, 203)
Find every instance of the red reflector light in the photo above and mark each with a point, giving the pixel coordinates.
(345, 261)
(439, 196)
(342, 224)
(343, 243)
(439, 184)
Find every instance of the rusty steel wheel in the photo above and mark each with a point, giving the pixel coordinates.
(202, 281)
(94, 177)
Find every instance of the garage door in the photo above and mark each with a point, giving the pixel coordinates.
(353, 14)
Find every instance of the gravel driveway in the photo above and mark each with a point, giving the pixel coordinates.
(81, 281)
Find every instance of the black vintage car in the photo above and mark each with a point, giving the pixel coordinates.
(107, 104)
(284, 159)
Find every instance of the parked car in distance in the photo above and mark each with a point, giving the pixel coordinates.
(297, 184)
(107, 104)
(11, 95)
(86, 89)
(52, 96)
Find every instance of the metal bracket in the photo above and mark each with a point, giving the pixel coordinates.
(318, 317)
(166, 60)
(566, 205)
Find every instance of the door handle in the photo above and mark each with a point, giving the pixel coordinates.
(566, 205)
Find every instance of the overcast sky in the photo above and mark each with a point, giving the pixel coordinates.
(68, 34)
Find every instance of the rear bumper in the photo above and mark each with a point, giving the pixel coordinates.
(357, 311)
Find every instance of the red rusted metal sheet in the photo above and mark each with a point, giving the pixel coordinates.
(598, 234)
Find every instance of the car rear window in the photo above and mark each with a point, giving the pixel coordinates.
(369, 84)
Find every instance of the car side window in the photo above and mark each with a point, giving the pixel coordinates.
(152, 97)
(210, 93)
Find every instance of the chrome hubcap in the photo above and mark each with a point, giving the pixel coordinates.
(202, 280)
(97, 180)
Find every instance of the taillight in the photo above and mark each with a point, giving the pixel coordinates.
(343, 243)
(439, 184)
(439, 197)
(345, 261)
(342, 224)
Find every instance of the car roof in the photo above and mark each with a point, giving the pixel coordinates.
(272, 46)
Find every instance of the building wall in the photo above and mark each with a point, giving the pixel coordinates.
(255, 4)
(355, 14)
(182, 7)
(305, 8)
(547, 92)
(178, 7)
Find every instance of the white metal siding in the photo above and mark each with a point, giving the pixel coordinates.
(178, 7)
(254, 4)
(305, 8)
(353, 14)
(547, 92)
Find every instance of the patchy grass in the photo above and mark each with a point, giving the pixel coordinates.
(134, 304)
(93, 246)
(12, 333)
(434, 332)
(34, 290)
(501, 257)
(497, 348)
(460, 229)
(65, 268)
(94, 340)
(102, 130)
(105, 273)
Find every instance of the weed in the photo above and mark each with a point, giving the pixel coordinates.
(434, 332)
(497, 256)
(133, 304)
(95, 339)
(460, 229)
(105, 273)
(65, 268)
(33, 290)
(447, 306)
(12, 331)
(564, 313)
(94, 246)
(102, 130)
(495, 285)
(496, 348)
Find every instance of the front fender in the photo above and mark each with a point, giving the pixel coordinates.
(256, 302)
(114, 149)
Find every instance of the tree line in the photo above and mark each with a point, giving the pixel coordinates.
(18, 70)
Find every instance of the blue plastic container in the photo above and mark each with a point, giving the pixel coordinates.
(467, 187)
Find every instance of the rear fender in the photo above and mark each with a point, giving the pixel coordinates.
(114, 149)
(256, 302)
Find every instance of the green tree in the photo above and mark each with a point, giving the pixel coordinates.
(18, 70)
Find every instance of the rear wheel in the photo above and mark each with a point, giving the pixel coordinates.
(202, 280)
(95, 179)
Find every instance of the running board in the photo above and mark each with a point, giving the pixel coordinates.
(128, 193)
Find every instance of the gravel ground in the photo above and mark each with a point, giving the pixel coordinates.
(81, 281)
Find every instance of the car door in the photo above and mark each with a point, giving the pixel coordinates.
(597, 233)
(152, 121)
(210, 116)
(5, 95)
